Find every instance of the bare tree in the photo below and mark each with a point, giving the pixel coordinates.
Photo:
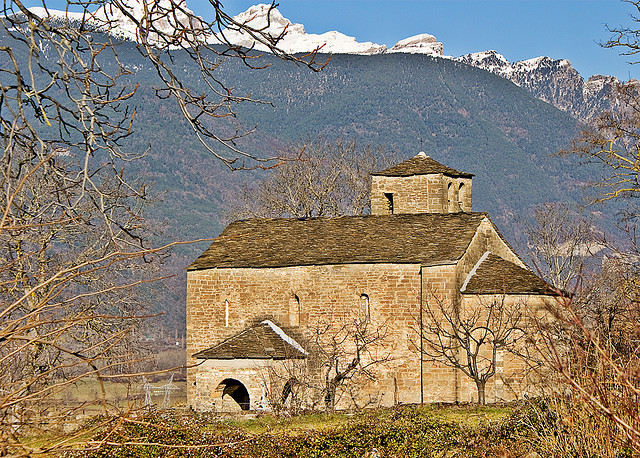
(342, 358)
(345, 354)
(561, 242)
(596, 373)
(470, 339)
(612, 142)
(329, 178)
(62, 82)
(69, 265)
(74, 242)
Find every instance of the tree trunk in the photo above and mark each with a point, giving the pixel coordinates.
(330, 397)
(481, 397)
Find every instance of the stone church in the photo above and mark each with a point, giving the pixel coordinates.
(256, 296)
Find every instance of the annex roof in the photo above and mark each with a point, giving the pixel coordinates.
(425, 239)
(494, 275)
(421, 164)
(262, 341)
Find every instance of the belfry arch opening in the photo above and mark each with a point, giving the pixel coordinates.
(235, 390)
(462, 191)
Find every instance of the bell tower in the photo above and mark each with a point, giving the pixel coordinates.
(420, 185)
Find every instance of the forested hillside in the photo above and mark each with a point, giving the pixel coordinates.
(462, 116)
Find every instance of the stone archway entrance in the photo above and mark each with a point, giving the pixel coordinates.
(234, 389)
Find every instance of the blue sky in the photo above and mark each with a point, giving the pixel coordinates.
(518, 29)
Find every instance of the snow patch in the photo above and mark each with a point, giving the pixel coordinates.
(285, 337)
(473, 271)
(491, 61)
(295, 38)
(56, 14)
(419, 44)
(170, 21)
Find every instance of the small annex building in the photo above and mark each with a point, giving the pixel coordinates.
(264, 286)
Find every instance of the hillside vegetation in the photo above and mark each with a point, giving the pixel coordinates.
(462, 116)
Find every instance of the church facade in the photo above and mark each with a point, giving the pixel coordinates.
(259, 295)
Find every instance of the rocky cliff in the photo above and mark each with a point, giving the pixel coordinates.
(554, 81)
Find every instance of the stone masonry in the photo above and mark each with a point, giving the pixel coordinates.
(422, 243)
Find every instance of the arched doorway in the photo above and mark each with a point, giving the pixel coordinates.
(234, 389)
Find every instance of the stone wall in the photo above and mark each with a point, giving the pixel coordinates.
(433, 193)
(517, 372)
(222, 302)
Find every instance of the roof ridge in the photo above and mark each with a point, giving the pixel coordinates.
(330, 218)
(284, 336)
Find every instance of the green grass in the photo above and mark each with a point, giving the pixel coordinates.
(292, 425)
(402, 431)
(466, 416)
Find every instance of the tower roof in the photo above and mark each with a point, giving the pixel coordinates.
(421, 164)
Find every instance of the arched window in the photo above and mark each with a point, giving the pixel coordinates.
(462, 190)
(365, 307)
(226, 313)
(294, 311)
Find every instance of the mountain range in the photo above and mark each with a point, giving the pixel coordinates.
(552, 80)
(476, 113)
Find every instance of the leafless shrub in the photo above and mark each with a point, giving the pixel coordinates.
(329, 178)
(471, 338)
(342, 358)
(74, 243)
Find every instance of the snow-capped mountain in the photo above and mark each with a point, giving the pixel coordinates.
(295, 39)
(552, 80)
(419, 44)
(170, 19)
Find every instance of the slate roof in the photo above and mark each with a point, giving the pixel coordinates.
(425, 239)
(497, 276)
(262, 341)
(421, 165)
